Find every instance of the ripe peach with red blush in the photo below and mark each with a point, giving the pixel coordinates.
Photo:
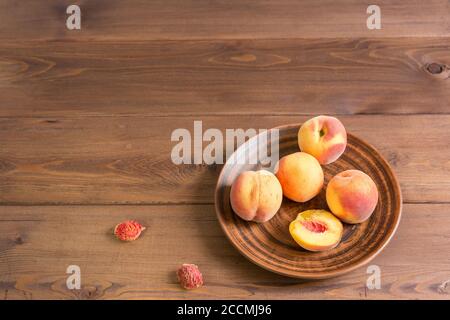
(324, 138)
(256, 195)
(352, 196)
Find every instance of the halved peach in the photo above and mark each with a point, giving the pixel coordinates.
(316, 230)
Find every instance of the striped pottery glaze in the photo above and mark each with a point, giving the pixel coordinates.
(270, 245)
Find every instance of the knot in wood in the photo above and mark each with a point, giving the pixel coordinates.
(435, 68)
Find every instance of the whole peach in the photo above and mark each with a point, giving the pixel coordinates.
(256, 195)
(324, 138)
(352, 196)
(300, 175)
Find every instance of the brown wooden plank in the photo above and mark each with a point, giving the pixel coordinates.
(203, 19)
(339, 76)
(113, 160)
(37, 244)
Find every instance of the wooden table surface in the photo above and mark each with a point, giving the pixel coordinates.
(86, 118)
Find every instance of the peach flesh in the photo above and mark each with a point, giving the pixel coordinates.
(316, 230)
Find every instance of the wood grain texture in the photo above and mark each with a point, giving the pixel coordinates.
(38, 243)
(118, 160)
(270, 244)
(204, 19)
(86, 118)
(296, 76)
